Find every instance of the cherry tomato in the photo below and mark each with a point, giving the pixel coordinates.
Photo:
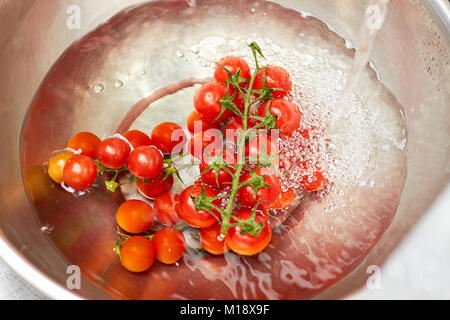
(86, 141)
(288, 115)
(207, 101)
(263, 149)
(313, 182)
(284, 200)
(113, 153)
(56, 166)
(265, 195)
(218, 178)
(170, 245)
(212, 241)
(135, 216)
(153, 188)
(167, 208)
(205, 142)
(198, 218)
(276, 77)
(80, 172)
(145, 162)
(195, 123)
(247, 244)
(137, 138)
(168, 137)
(232, 64)
(137, 254)
(239, 101)
(235, 126)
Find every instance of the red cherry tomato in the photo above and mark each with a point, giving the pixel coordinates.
(145, 162)
(247, 244)
(212, 241)
(169, 137)
(276, 77)
(135, 216)
(153, 188)
(205, 142)
(170, 245)
(313, 180)
(198, 218)
(232, 64)
(263, 148)
(284, 200)
(239, 101)
(288, 115)
(265, 195)
(166, 208)
(207, 101)
(137, 254)
(235, 126)
(80, 172)
(113, 153)
(137, 138)
(86, 141)
(218, 178)
(195, 123)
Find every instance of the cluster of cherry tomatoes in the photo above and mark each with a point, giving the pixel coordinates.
(237, 121)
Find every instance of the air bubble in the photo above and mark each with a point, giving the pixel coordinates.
(118, 84)
(98, 88)
(47, 228)
(180, 54)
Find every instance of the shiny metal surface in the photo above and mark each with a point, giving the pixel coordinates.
(411, 55)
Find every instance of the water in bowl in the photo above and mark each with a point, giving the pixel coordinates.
(145, 48)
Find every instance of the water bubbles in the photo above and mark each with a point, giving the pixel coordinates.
(180, 54)
(47, 228)
(98, 88)
(195, 49)
(118, 84)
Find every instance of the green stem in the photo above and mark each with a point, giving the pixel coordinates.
(227, 213)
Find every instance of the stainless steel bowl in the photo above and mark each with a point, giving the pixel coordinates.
(412, 56)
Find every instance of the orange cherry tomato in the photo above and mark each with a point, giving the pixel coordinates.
(135, 216)
(56, 166)
(170, 245)
(137, 254)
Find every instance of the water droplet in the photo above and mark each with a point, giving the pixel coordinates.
(143, 72)
(98, 88)
(47, 228)
(195, 49)
(180, 54)
(264, 14)
(252, 10)
(118, 84)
